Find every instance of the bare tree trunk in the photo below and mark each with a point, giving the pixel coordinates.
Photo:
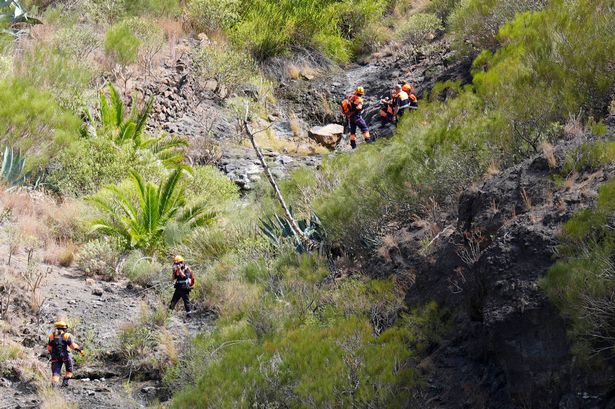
(307, 243)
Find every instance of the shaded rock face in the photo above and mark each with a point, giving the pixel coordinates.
(328, 136)
(509, 348)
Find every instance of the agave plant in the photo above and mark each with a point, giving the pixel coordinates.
(14, 13)
(125, 125)
(140, 220)
(13, 165)
(278, 231)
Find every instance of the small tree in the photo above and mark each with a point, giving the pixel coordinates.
(140, 220)
(122, 46)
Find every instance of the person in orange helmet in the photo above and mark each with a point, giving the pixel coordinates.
(60, 341)
(353, 110)
(184, 280)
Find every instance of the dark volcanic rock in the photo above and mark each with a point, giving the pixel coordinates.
(509, 348)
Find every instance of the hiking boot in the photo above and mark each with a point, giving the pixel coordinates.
(65, 382)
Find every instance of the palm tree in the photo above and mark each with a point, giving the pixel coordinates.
(139, 220)
(128, 126)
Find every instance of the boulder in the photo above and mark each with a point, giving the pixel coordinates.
(328, 136)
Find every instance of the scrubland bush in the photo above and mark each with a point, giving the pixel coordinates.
(147, 347)
(227, 66)
(60, 69)
(310, 366)
(33, 121)
(143, 270)
(443, 8)
(475, 23)
(581, 282)
(151, 39)
(121, 44)
(98, 257)
(213, 15)
(211, 187)
(419, 28)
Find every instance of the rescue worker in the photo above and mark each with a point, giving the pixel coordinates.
(60, 340)
(409, 89)
(401, 102)
(355, 117)
(387, 115)
(184, 279)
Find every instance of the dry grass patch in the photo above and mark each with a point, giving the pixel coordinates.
(293, 71)
(574, 127)
(549, 154)
(493, 170)
(59, 254)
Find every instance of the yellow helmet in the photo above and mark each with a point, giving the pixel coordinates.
(178, 259)
(60, 325)
(360, 91)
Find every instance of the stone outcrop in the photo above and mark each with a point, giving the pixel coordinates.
(328, 136)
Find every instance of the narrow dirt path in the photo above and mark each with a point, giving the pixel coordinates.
(96, 311)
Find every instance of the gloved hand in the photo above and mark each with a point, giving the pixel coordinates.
(79, 351)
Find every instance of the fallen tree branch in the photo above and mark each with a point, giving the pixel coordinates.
(307, 243)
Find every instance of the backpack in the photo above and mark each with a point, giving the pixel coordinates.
(346, 107)
(192, 279)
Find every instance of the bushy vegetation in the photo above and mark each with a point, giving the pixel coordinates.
(289, 333)
(475, 24)
(520, 97)
(302, 327)
(582, 282)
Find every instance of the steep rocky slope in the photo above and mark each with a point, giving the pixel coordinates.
(509, 346)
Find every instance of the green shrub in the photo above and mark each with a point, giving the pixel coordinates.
(122, 44)
(589, 156)
(443, 8)
(31, 120)
(150, 36)
(581, 282)
(537, 78)
(211, 187)
(142, 270)
(213, 15)
(475, 23)
(111, 11)
(417, 29)
(310, 367)
(91, 163)
(98, 257)
(157, 8)
(227, 66)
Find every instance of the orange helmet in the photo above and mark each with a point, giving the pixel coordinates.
(360, 91)
(406, 88)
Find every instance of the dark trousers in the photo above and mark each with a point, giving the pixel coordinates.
(358, 122)
(184, 294)
(56, 369)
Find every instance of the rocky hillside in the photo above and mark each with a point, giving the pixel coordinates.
(509, 346)
(463, 260)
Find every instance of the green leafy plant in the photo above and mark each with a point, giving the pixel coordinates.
(124, 125)
(14, 13)
(13, 166)
(122, 44)
(139, 220)
(212, 15)
(278, 230)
